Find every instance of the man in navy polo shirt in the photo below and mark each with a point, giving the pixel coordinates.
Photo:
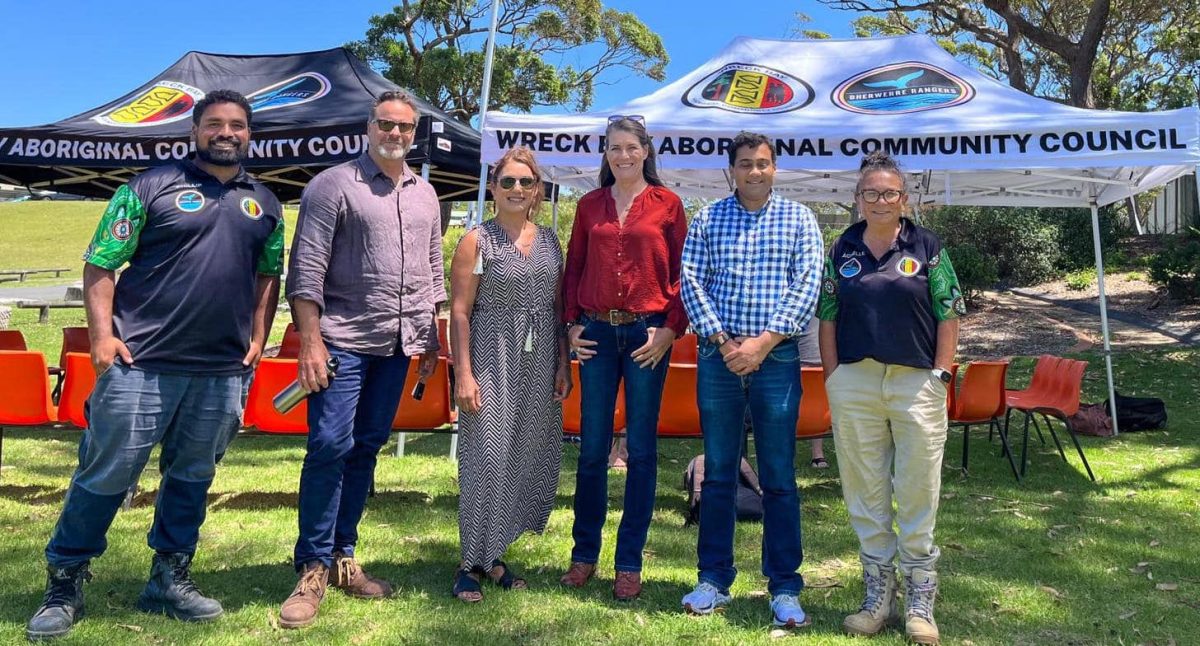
(174, 344)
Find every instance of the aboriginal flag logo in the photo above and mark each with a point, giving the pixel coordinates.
(165, 102)
(251, 208)
(749, 89)
(902, 88)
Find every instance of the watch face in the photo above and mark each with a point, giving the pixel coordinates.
(944, 375)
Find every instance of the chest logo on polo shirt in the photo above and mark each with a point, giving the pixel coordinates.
(908, 266)
(850, 268)
(189, 201)
(251, 208)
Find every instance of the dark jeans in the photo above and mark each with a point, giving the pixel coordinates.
(129, 411)
(599, 377)
(773, 397)
(348, 423)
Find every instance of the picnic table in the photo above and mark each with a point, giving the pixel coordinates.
(44, 307)
(20, 274)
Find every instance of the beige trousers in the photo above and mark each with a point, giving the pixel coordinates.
(889, 425)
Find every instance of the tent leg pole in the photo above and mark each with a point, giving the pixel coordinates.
(483, 106)
(425, 171)
(554, 208)
(1112, 394)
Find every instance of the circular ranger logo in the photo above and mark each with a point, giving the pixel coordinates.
(251, 208)
(902, 88)
(301, 88)
(752, 89)
(121, 229)
(167, 101)
(850, 268)
(189, 201)
(908, 266)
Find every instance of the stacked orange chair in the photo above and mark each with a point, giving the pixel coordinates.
(289, 348)
(572, 413)
(815, 420)
(75, 339)
(12, 340)
(981, 399)
(679, 415)
(77, 387)
(25, 398)
(1055, 395)
(272, 376)
(432, 411)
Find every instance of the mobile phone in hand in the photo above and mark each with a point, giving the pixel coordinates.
(418, 391)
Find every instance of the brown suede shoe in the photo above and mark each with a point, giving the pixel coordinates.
(627, 586)
(300, 609)
(578, 574)
(348, 577)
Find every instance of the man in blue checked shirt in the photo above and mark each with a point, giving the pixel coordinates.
(751, 277)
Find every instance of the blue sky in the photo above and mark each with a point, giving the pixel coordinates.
(63, 57)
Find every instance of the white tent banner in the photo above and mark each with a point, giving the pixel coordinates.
(965, 137)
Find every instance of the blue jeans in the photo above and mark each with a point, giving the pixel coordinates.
(129, 411)
(599, 377)
(773, 397)
(348, 423)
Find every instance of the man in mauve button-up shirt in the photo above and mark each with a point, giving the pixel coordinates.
(365, 281)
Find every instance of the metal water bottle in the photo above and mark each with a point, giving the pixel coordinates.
(290, 397)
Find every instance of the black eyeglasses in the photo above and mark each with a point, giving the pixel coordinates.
(632, 117)
(889, 197)
(387, 125)
(508, 182)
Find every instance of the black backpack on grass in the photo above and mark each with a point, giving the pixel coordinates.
(748, 497)
(1139, 413)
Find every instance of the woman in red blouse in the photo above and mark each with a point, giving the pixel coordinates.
(621, 295)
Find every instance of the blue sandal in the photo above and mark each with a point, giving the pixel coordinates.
(508, 580)
(466, 587)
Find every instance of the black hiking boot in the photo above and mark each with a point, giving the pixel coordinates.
(62, 605)
(171, 591)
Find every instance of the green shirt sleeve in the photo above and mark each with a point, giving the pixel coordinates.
(270, 263)
(827, 306)
(943, 286)
(116, 236)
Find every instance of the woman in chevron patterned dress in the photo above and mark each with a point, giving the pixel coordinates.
(511, 375)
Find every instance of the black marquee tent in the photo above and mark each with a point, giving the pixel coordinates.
(310, 111)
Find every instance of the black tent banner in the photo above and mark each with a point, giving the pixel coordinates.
(310, 112)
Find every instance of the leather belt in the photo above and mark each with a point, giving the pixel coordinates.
(615, 317)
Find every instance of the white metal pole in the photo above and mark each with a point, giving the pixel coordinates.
(483, 105)
(554, 207)
(1112, 392)
(425, 171)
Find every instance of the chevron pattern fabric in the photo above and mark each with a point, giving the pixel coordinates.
(509, 452)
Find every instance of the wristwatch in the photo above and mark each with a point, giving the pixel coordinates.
(943, 374)
(720, 338)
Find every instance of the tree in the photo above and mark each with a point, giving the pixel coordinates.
(1120, 54)
(547, 53)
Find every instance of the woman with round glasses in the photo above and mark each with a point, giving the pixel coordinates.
(511, 375)
(622, 304)
(889, 312)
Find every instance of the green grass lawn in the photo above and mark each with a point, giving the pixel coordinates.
(55, 234)
(1056, 559)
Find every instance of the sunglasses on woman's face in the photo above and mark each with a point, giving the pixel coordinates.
(632, 117)
(508, 182)
(387, 125)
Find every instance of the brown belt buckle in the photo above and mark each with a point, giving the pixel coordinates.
(614, 317)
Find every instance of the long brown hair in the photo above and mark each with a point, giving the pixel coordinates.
(522, 155)
(649, 167)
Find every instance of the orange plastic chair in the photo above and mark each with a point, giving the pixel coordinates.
(272, 376)
(75, 339)
(25, 398)
(289, 348)
(433, 409)
(444, 337)
(1059, 400)
(684, 350)
(981, 399)
(679, 416)
(815, 420)
(572, 407)
(12, 340)
(77, 387)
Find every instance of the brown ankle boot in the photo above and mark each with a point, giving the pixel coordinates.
(920, 590)
(627, 586)
(578, 574)
(300, 609)
(348, 577)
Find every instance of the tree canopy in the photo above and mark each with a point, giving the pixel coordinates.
(552, 52)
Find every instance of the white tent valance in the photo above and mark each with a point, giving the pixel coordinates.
(964, 137)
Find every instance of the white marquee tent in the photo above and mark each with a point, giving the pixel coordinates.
(965, 138)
